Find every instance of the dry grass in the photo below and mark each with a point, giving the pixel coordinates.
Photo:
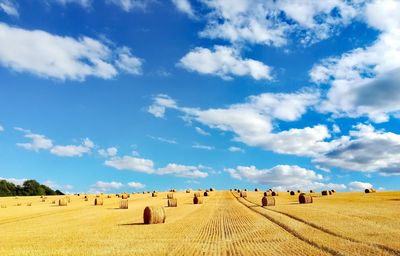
(219, 226)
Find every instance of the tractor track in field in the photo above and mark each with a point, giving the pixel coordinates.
(383, 247)
(371, 246)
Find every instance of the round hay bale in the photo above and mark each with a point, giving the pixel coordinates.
(311, 191)
(29, 204)
(97, 195)
(298, 191)
(86, 199)
(154, 194)
(187, 191)
(267, 193)
(173, 202)
(205, 193)
(109, 196)
(43, 200)
(62, 202)
(197, 200)
(243, 194)
(256, 189)
(98, 201)
(274, 193)
(330, 192)
(292, 193)
(123, 204)
(369, 190)
(3, 206)
(235, 189)
(170, 196)
(153, 215)
(324, 193)
(212, 189)
(245, 189)
(305, 199)
(53, 202)
(333, 191)
(288, 191)
(68, 199)
(268, 201)
(196, 194)
(124, 196)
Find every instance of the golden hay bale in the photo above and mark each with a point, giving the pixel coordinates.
(3, 206)
(243, 194)
(212, 189)
(170, 196)
(324, 193)
(97, 195)
(153, 215)
(19, 204)
(62, 202)
(68, 199)
(268, 201)
(333, 191)
(123, 204)
(235, 189)
(256, 189)
(292, 193)
(53, 202)
(29, 204)
(187, 191)
(274, 193)
(109, 196)
(124, 196)
(298, 191)
(288, 191)
(41, 196)
(43, 200)
(268, 193)
(98, 201)
(205, 193)
(311, 191)
(245, 189)
(305, 199)
(196, 194)
(86, 199)
(369, 190)
(154, 194)
(197, 200)
(172, 202)
(330, 192)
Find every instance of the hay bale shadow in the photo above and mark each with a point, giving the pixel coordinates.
(132, 224)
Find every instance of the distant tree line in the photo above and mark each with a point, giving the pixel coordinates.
(28, 188)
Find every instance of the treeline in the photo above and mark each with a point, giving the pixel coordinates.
(28, 188)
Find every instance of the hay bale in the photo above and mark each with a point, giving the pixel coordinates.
(245, 189)
(288, 191)
(274, 193)
(187, 191)
(235, 189)
(333, 191)
(268, 201)
(29, 204)
(109, 196)
(63, 202)
(256, 189)
(53, 202)
(243, 194)
(43, 200)
(170, 196)
(212, 189)
(68, 199)
(292, 193)
(330, 192)
(124, 196)
(298, 191)
(197, 200)
(173, 202)
(369, 190)
(324, 193)
(153, 215)
(123, 204)
(311, 191)
(205, 193)
(3, 206)
(196, 194)
(86, 199)
(98, 201)
(19, 204)
(305, 199)
(268, 193)
(154, 194)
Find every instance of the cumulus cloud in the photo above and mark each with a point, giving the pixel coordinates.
(358, 185)
(185, 7)
(103, 186)
(199, 131)
(147, 166)
(365, 150)
(108, 152)
(73, 150)
(224, 62)
(61, 57)
(272, 22)
(136, 185)
(41, 142)
(282, 177)
(9, 7)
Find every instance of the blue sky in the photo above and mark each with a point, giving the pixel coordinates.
(126, 95)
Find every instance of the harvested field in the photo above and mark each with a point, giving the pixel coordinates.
(345, 224)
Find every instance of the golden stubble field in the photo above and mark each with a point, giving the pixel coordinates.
(225, 224)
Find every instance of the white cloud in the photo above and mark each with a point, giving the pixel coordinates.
(200, 146)
(147, 166)
(383, 14)
(106, 186)
(9, 7)
(52, 56)
(128, 63)
(282, 177)
(109, 152)
(14, 180)
(73, 150)
(185, 7)
(129, 5)
(201, 131)
(365, 150)
(169, 141)
(236, 149)
(357, 185)
(136, 185)
(38, 141)
(224, 62)
(272, 22)
(83, 3)
(161, 101)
